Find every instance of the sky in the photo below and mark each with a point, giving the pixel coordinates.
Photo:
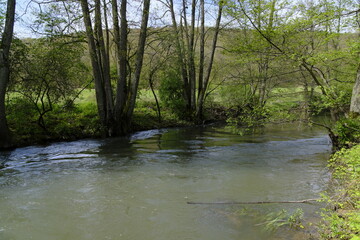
(23, 19)
(24, 9)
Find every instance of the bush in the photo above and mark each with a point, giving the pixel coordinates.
(63, 122)
(78, 122)
(22, 118)
(348, 131)
(338, 99)
(171, 93)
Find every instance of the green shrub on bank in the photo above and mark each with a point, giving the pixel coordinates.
(348, 131)
(61, 123)
(22, 119)
(77, 122)
(344, 222)
(171, 93)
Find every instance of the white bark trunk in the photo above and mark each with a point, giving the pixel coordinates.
(355, 98)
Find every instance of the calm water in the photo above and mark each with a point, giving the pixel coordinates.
(137, 188)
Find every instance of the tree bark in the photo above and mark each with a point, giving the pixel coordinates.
(104, 64)
(205, 81)
(120, 35)
(151, 84)
(139, 59)
(191, 59)
(355, 98)
(96, 65)
(5, 45)
(180, 53)
(202, 47)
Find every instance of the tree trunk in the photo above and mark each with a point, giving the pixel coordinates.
(202, 47)
(191, 59)
(104, 67)
(180, 53)
(355, 98)
(151, 84)
(120, 38)
(96, 66)
(306, 96)
(5, 44)
(205, 81)
(139, 59)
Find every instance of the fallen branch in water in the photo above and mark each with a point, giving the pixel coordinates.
(261, 202)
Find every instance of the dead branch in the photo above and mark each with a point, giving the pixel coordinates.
(260, 202)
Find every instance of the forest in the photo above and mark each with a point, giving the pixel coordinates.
(108, 68)
(105, 68)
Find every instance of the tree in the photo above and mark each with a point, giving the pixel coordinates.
(260, 24)
(308, 40)
(355, 98)
(185, 35)
(115, 115)
(5, 45)
(49, 73)
(203, 80)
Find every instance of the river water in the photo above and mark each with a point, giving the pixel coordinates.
(137, 188)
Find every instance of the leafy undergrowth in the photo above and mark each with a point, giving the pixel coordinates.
(78, 121)
(341, 220)
(146, 117)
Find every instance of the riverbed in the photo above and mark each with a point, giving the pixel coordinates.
(138, 187)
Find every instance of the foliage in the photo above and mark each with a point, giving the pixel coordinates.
(339, 99)
(246, 120)
(22, 118)
(344, 222)
(48, 71)
(235, 94)
(62, 123)
(56, 19)
(77, 122)
(348, 131)
(171, 92)
(272, 221)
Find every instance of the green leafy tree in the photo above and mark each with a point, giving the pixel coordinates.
(49, 73)
(171, 92)
(310, 38)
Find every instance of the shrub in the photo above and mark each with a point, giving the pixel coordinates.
(171, 93)
(348, 131)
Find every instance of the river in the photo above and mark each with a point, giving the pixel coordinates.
(137, 188)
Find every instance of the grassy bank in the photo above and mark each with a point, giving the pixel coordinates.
(341, 220)
(77, 121)
(80, 119)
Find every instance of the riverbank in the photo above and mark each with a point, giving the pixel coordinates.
(79, 122)
(341, 219)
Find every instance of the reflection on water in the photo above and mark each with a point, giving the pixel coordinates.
(137, 187)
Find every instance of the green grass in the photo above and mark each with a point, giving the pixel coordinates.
(86, 96)
(344, 222)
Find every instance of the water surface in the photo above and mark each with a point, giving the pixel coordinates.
(138, 187)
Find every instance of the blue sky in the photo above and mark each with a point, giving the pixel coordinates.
(23, 19)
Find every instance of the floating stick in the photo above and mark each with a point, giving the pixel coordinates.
(261, 202)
